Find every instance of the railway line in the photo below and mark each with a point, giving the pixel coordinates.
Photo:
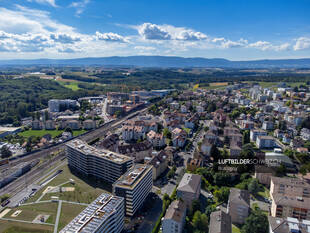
(30, 177)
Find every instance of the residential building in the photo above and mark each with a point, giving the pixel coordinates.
(105, 214)
(288, 225)
(89, 124)
(189, 188)
(100, 163)
(267, 125)
(36, 125)
(220, 222)
(157, 139)
(56, 105)
(238, 205)
(174, 219)
(49, 125)
(265, 142)
(159, 163)
(290, 198)
(134, 186)
(254, 133)
(137, 151)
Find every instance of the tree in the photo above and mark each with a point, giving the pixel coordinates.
(200, 222)
(68, 129)
(257, 222)
(167, 133)
(253, 186)
(246, 137)
(222, 194)
(5, 152)
(215, 153)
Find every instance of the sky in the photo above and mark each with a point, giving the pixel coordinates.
(231, 29)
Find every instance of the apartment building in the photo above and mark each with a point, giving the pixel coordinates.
(134, 186)
(255, 133)
(56, 105)
(157, 139)
(288, 225)
(105, 214)
(101, 163)
(220, 222)
(265, 142)
(174, 219)
(290, 198)
(238, 205)
(189, 188)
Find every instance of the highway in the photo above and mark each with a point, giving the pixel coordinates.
(34, 174)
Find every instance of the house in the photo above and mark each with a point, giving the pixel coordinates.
(220, 222)
(179, 141)
(160, 164)
(267, 125)
(246, 124)
(238, 205)
(234, 150)
(254, 133)
(36, 125)
(189, 188)
(138, 151)
(157, 139)
(177, 131)
(290, 198)
(265, 142)
(89, 124)
(183, 109)
(73, 124)
(110, 142)
(303, 150)
(49, 125)
(174, 219)
(205, 147)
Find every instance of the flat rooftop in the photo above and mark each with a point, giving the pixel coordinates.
(84, 148)
(94, 215)
(132, 176)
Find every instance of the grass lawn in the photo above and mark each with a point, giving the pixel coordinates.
(29, 212)
(86, 190)
(235, 229)
(68, 212)
(54, 133)
(40, 133)
(71, 85)
(17, 227)
(264, 193)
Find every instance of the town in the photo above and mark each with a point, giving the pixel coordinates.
(228, 159)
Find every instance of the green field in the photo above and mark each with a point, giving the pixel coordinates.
(274, 84)
(235, 229)
(54, 133)
(18, 227)
(86, 190)
(71, 85)
(69, 212)
(29, 212)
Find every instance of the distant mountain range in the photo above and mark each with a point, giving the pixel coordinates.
(165, 62)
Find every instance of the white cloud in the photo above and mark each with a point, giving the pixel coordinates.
(151, 31)
(80, 6)
(48, 2)
(64, 38)
(265, 45)
(302, 43)
(110, 37)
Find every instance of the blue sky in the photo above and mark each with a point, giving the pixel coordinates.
(232, 29)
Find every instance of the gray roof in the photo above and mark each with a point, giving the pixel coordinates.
(189, 183)
(239, 196)
(288, 225)
(176, 211)
(220, 222)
